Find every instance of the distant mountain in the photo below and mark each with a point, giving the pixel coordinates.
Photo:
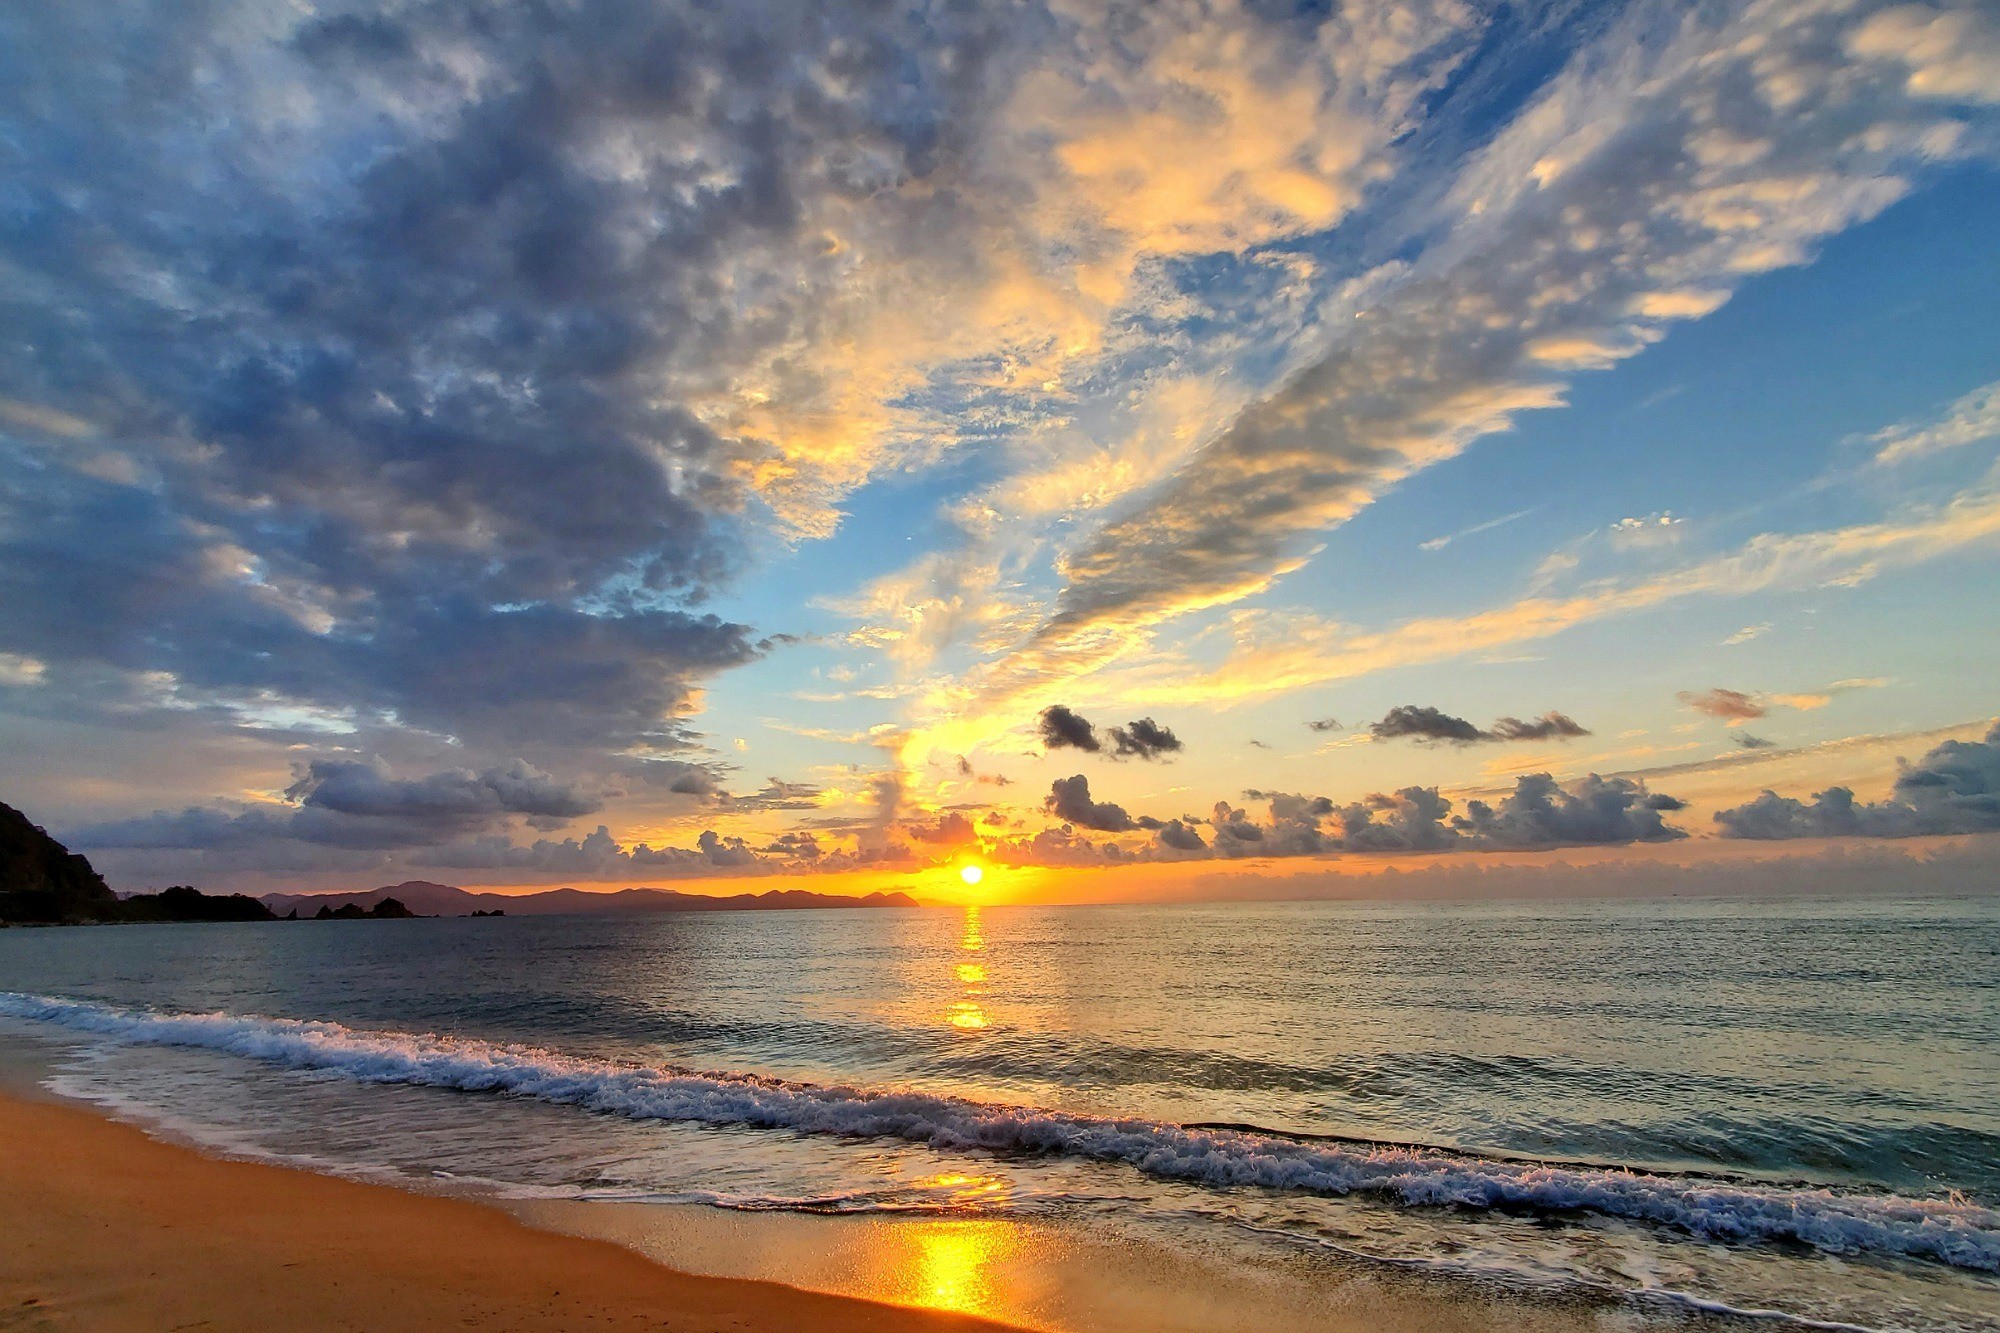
(428, 899)
(42, 880)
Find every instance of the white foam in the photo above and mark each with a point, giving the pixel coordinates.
(1952, 1232)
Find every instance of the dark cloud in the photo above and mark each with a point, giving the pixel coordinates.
(1550, 726)
(1595, 812)
(697, 782)
(1745, 741)
(364, 788)
(1181, 837)
(402, 397)
(1324, 724)
(1069, 800)
(1731, 706)
(1538, 814)
(1425, 724)
(599, 855)
(358, 804)
(1143, 739)
(1062, 729)
(951, 829)
(1955, 788)
(1431, 725)
(796, 845)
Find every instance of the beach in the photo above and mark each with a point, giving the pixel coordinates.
(110, 1229)
(115, 1229)
(1036, 1117)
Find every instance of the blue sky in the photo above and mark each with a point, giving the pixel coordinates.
(617, 446)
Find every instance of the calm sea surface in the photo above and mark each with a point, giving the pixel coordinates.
(1788, 1106)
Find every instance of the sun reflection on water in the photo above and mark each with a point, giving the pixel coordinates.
(968, 1014)
(953, 1261)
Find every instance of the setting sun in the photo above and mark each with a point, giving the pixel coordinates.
(971, 874)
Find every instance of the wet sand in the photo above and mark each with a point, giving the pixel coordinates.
(109, 1229)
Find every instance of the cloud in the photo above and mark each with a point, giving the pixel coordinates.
(1062, 729)
(1746, 741)
(364, 788)
(1734, 707)
(439, 363)
(1537, 814)
(1549, 726)
(1639, 188)
(1747, 633)
(776, 794)
(1731, 706)
(1425, 724)
(1144, 739)
(1428, 724)
(598, 855)
(1951, 54)
(1069, 800)
(1439, 543)
(21, 671)
(1594, 812)
(1740, 757)
(1955, 788)
(950, 829)
(1277, 652)
(1324, 724)
(1973, 418)
(358, 804)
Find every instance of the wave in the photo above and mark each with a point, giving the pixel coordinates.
(1953, 1232)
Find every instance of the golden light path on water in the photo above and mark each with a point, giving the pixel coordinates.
(968, 1014)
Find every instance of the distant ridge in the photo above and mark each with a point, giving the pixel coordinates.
(428, 899)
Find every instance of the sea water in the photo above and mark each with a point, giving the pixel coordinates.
(1790, 1107)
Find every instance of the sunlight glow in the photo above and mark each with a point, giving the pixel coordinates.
(971, 874)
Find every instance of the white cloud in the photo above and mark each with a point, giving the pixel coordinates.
(1972, 418)
(1688, 151)
(1951, 52)
(18, 669)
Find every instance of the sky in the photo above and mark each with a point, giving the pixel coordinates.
(625, 442)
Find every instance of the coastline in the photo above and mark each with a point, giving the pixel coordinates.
(124, 1230)
(113, 1229)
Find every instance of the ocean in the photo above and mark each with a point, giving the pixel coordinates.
(1665, 1110)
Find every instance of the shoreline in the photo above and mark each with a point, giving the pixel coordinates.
(113, 1229)
(89, 1179)
(122, 1229)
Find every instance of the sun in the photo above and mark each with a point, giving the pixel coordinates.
(971, 874)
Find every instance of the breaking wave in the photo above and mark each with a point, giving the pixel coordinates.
(1958, 1233)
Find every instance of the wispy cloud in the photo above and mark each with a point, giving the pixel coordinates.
(1634, 194)
(1439, 543)
(1973, 418)
(1276, 653)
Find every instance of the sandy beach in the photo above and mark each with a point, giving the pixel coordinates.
(110, 1229)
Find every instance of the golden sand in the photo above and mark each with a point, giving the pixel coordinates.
(105, 1228)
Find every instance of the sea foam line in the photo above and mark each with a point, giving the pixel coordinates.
(1957, 1233)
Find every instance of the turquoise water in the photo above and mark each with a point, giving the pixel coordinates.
(1789, 1106)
